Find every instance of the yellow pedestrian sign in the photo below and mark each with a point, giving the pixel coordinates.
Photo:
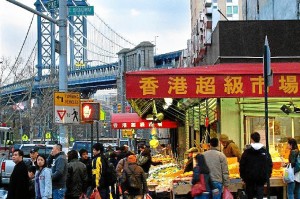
(66, 107)
(25, 137)
(48, 135)
(71, 139)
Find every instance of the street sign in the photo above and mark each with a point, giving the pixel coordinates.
(24, 137)
(48, 135)
(66, 107)
(81, 10)
(51, 5)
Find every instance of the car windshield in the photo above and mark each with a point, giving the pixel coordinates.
(42, 150)
(82, 145)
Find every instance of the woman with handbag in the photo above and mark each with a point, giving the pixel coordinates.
(202, 184)
(293, 188)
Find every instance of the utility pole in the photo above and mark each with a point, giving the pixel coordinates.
(63, 79)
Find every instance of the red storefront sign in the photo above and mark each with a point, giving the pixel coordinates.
(219, 81)
(133, 121)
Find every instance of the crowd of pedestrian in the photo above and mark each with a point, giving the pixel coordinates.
(113, 173)
(68, 176)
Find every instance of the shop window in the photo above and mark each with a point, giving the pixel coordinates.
(280, 129)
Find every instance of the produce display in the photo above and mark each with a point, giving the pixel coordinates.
(163, 175)
(162, 158)
(233, 167)
(277, 162)
(169, 176)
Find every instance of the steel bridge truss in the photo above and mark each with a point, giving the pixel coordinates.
(48, 45)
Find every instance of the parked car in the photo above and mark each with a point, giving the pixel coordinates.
(77, 145)
(7, 165)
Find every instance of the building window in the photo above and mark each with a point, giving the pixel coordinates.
(235, 9)
(229, 1)
(231, 10)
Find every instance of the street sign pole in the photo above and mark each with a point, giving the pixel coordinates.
(63, 80)
(268, 81)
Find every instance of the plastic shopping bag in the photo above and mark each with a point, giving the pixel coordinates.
(288, 175)
(297, 176)
(95, 195)
(227, 194)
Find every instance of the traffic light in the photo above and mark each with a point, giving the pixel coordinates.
(89, 111)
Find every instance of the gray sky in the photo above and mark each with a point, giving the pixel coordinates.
(136, 20)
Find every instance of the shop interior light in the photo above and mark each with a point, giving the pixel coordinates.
(168, 103)
(286, 109)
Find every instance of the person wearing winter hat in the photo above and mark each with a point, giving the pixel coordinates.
(230, 149)
(131, 159)
(140, 178)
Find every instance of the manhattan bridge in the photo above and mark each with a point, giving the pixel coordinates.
(97, 56)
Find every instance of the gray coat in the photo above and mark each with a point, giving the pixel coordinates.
(59, 171)
(218, 167)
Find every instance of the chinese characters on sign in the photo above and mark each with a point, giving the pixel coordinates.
(200, 86)
(143, 124)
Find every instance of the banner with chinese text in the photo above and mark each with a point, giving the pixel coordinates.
(220, 81)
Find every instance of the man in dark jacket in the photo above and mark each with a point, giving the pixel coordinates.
(255, 167)
(76, 178)
(33, 156)
(140, 176)
(19, 180)
(85, 159)
(59, 172)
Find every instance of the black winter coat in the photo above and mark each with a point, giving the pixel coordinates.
(76, 179)
(19, 182)
(255, 166)
(88, 164)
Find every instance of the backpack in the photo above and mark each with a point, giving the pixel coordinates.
(110, 173)
(132, 179)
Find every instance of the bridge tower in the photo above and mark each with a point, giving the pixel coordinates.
(47, 42)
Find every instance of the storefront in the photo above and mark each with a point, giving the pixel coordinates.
(225, 98)
(238, 90)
